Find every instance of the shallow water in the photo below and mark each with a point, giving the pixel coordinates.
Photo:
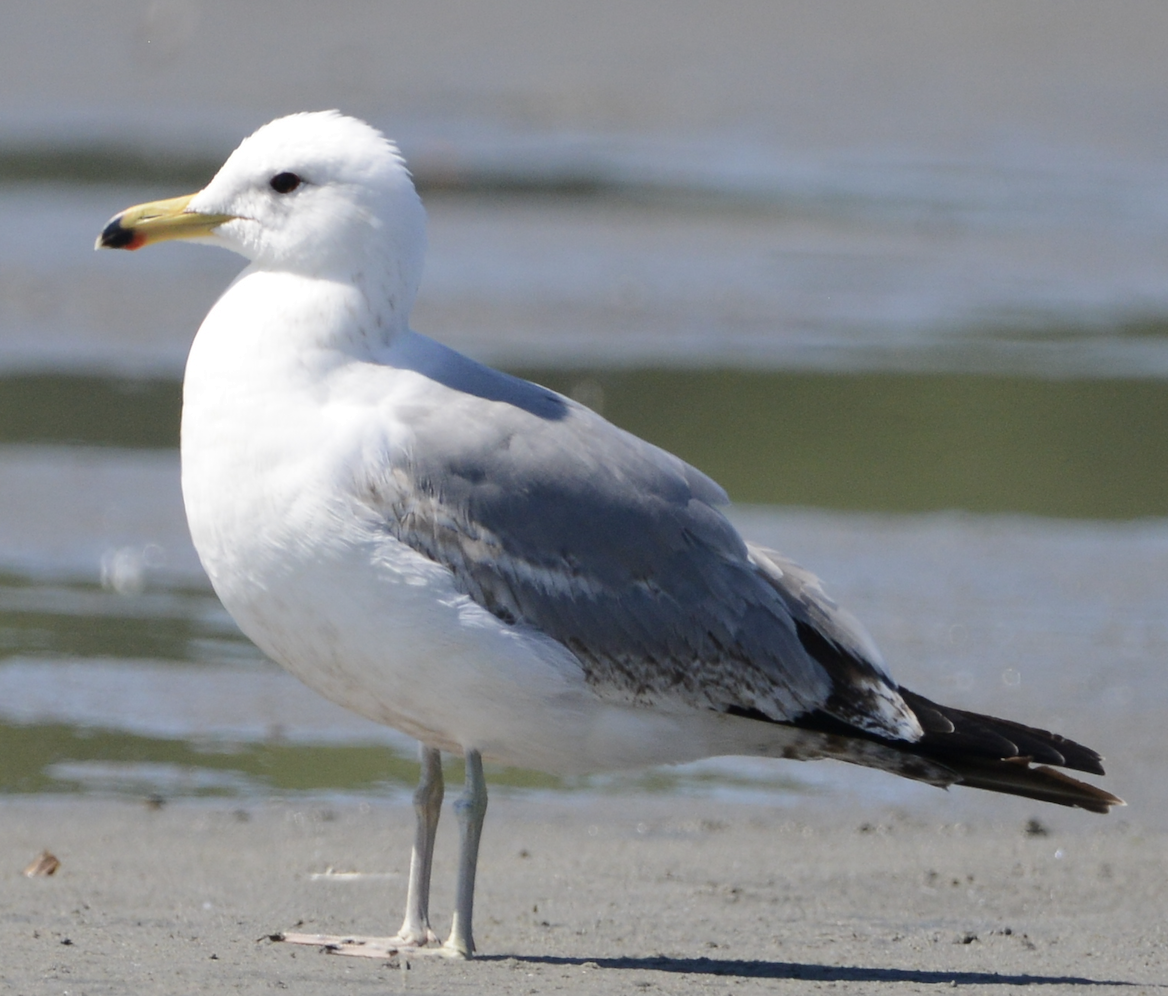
(898, 279)
(121, 673)
(141, 688)
(612, 279)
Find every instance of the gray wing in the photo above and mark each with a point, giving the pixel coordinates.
(549, 516)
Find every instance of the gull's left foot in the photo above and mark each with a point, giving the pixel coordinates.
(358, 946)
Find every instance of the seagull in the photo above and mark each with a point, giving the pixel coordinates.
(486, 565)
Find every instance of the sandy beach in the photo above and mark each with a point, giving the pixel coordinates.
(585, 895)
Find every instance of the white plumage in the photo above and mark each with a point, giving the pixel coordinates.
(477, 561)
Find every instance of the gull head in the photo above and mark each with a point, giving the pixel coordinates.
(319, 194)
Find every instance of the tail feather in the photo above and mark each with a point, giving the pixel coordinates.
(981, 752)
(1015, 776)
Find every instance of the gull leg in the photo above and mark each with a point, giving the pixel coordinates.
(470, 809)
(415, 929)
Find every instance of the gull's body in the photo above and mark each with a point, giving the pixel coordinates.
(482, 563)
(308, 562)
(308, 568)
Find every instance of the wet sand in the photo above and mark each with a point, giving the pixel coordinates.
(589, 895)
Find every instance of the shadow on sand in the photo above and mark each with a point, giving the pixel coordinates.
(811, 973)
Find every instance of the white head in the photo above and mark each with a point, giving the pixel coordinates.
(318, 193)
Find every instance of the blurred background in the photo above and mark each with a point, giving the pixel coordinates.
(895, 272)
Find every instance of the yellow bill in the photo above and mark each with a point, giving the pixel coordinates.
(156, 222)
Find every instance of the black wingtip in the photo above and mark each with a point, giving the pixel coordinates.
(971, 733)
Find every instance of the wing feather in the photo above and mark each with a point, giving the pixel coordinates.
(550, 517)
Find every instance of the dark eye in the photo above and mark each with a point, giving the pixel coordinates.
(284, 183)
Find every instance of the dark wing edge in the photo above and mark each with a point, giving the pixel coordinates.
(969, 748)
(985, 752)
